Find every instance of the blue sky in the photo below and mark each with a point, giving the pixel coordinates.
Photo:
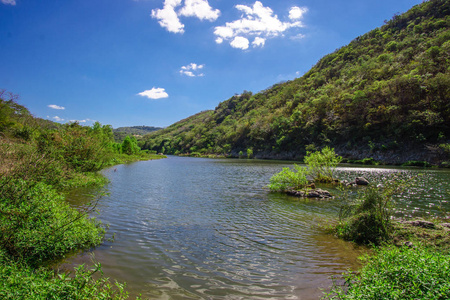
(155, 62)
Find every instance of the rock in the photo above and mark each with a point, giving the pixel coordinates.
(318, 193)
(421, 223)
(361, 181)
(296, 193)
(445, 225)
(409, 244)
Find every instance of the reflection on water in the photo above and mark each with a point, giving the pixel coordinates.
(188, 228)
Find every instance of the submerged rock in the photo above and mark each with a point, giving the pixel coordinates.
(317, 193)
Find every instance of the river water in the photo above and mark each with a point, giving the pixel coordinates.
(193, 228)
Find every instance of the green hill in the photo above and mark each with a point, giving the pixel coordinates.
(121, 132)
(386, 95)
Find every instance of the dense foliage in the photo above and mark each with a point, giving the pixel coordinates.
(399, 273)
(387, 90)
(38, 161)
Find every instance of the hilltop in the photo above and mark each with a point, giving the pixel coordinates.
(121, 132)
(385, 95)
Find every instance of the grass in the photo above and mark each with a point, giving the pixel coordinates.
(398, 273)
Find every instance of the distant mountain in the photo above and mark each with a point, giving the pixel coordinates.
(386, 95)
(121, 132)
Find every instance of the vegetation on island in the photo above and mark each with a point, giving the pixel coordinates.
(39, 161)
(385, 96)
(320, 166)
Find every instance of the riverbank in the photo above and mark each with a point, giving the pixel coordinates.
(410, 257)
(417, 155)
(38, 227)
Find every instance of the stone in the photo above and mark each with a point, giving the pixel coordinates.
(317, 193)
(361, 181)
(421, 223)
(409, 244)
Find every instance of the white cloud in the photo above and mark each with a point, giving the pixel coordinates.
(240, 43)
(258, 21)
(154, 93)
(298, 37)
(192, 70)
(10, 2)
(297, 13)
(58, 119)
(168, 16)
(200, 9)
(259, 42)
(53, 106)
(78, 121)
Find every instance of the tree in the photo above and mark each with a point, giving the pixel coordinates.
(129, 145)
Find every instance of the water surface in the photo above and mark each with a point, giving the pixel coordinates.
(190, 228)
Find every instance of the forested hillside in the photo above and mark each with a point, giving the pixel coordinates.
(385, 95)
(121, 132)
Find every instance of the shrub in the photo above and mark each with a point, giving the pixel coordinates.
(398, 273)
(37, 225)
(367, 220)
(18, 281)
(289, 179)
(322, 164)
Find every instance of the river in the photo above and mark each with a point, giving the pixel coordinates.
(194, 228)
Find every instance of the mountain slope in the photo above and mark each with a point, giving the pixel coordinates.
(386, 95)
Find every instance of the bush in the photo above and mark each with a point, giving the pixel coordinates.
(398, 273)
(289, 179)
(18, 281)
(322, 164)
(367, 220)
(37, 225)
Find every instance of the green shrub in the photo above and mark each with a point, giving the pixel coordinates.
(415, 163)
(367, 220)
(19, 282)
(289, 179)
(322, 164)
(37, 225)
(249, 153)
(398, 273)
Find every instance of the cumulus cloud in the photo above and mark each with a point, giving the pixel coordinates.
(192, 70)
(58, 119)
(10, 2)
(240, 43)
(168, 16)
(154, 93)
(256, 21)
(259, 42)
(200, 9)
(296, 13)
(53, 106)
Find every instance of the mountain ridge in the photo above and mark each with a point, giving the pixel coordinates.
(385, 95)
